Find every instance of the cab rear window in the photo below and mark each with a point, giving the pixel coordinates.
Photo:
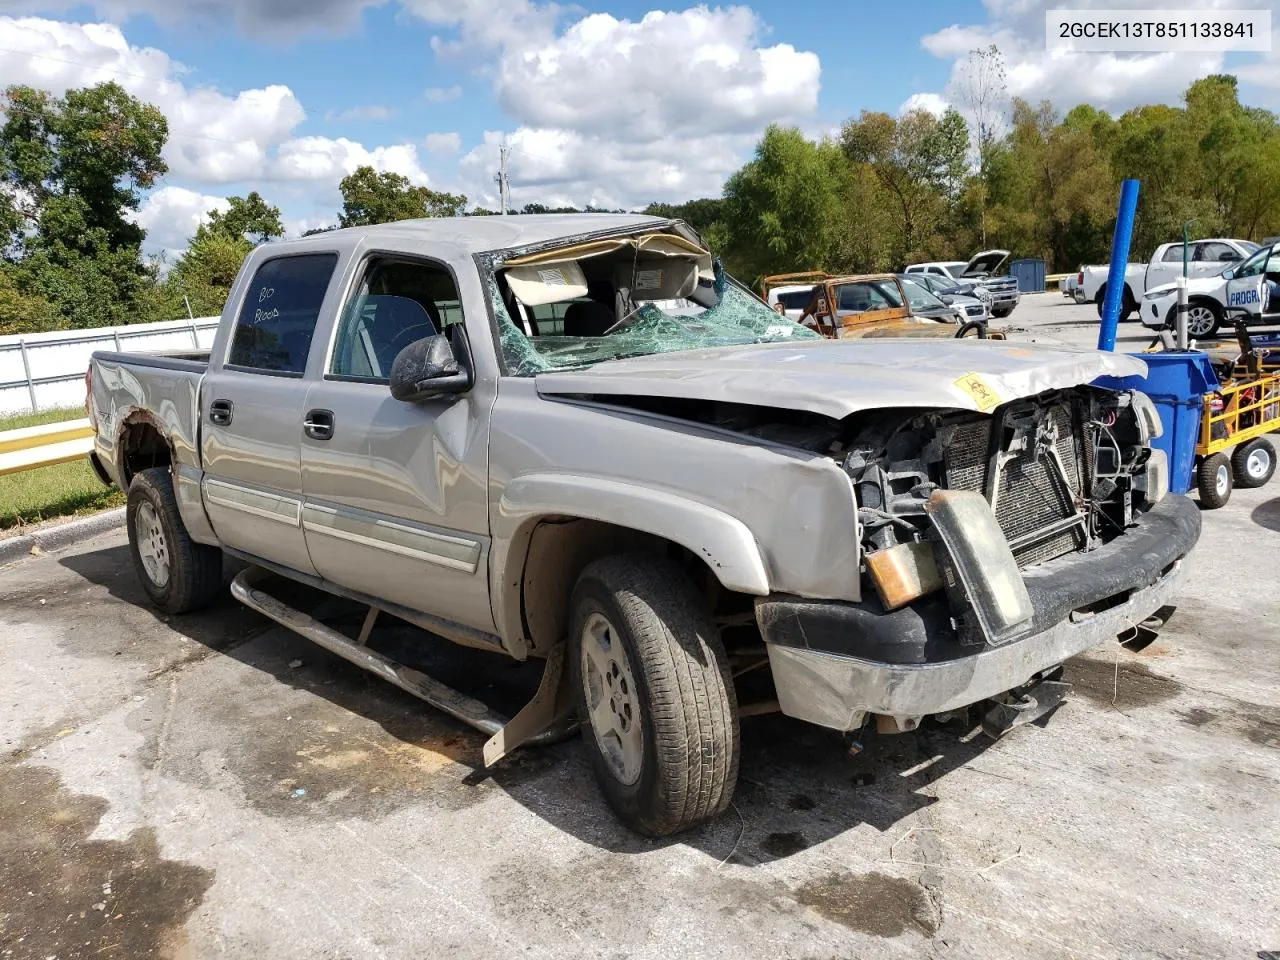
(278, 317)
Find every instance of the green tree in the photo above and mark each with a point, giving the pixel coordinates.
(370, 197)
(205, 272)
(250, 218)
(22, 312)
(921, 162)
(72, 168)
(784, 211)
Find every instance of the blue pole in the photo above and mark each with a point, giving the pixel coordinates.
(1119, 258)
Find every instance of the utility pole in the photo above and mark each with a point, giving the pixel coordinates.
(504, 186)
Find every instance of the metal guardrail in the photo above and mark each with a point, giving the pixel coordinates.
(42, 370)
(44, 446)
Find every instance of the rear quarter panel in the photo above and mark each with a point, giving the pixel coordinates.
(164, 392)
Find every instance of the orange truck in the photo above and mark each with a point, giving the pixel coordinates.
(860, 305)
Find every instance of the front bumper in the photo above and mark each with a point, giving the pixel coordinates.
(1155, 313)
(833, 663)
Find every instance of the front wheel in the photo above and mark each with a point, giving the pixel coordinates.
(655, 696)
(177, 573)
(1253, 463)
(1203, 319)
(1213, 481)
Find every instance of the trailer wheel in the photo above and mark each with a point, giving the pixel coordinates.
(655, 696)
(1253, 463)
(178, 574)
(1213, 480)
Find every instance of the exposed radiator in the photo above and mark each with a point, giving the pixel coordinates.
(1029, 497)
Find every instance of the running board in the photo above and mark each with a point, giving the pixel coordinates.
(544, 720)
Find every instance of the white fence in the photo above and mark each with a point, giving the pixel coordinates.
(39, 371)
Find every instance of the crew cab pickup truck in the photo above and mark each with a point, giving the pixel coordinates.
(576, 439)
(1205, 258)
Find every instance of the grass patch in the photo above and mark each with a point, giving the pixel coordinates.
(13, 421)
(63, 490)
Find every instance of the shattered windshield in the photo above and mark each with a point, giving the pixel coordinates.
(603, 315)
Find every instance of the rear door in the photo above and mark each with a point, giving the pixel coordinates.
(396, 494)
(251, 409)
(1166, 265)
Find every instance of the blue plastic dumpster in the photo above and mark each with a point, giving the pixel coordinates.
(1176, 382)
(1029, 274)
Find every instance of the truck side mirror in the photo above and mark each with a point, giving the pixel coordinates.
(428, 368)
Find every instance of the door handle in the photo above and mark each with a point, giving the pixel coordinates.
(220, 412)
(318, 424)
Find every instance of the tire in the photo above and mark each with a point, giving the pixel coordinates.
(178, 574)
(1213, 481)
(1203, 318)
(664, 746)
(1127, 303)
(1253, 463)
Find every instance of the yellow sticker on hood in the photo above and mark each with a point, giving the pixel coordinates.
(984, 395)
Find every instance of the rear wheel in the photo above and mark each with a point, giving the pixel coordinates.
(655, 696)
(1213, 481)
(1127, 304)
(177, 573)
(1253, 463)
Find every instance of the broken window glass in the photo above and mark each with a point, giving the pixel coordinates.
(658, 326)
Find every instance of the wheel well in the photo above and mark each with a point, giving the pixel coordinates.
(1209, 302)
(142, 446)
(560, 547)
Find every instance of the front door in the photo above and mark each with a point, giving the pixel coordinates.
(396, 500)
(1248, 290)
(252, 407)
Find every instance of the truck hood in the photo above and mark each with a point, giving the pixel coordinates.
(985, 263)
(839, 377)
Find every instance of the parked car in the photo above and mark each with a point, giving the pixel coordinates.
(794, 291)
(1205, 258)
(488, 427)
(971, 302)
(1246, 288)
(981, 271)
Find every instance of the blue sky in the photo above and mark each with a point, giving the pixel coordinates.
(612, 103)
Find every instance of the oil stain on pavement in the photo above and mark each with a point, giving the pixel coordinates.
(874, 903)
(1132, 685)
(65, 895)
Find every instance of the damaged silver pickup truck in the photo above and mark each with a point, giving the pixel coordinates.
(575, 438)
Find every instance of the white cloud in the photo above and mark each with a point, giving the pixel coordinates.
(325, 159)
(213, 138)
(442, 94)
(617, 112)
(171, 215)
(371, 112)
(443, 142)
(565, 168)
(297, 226)
(1110, 81)
(934, 103)
(697, 71)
